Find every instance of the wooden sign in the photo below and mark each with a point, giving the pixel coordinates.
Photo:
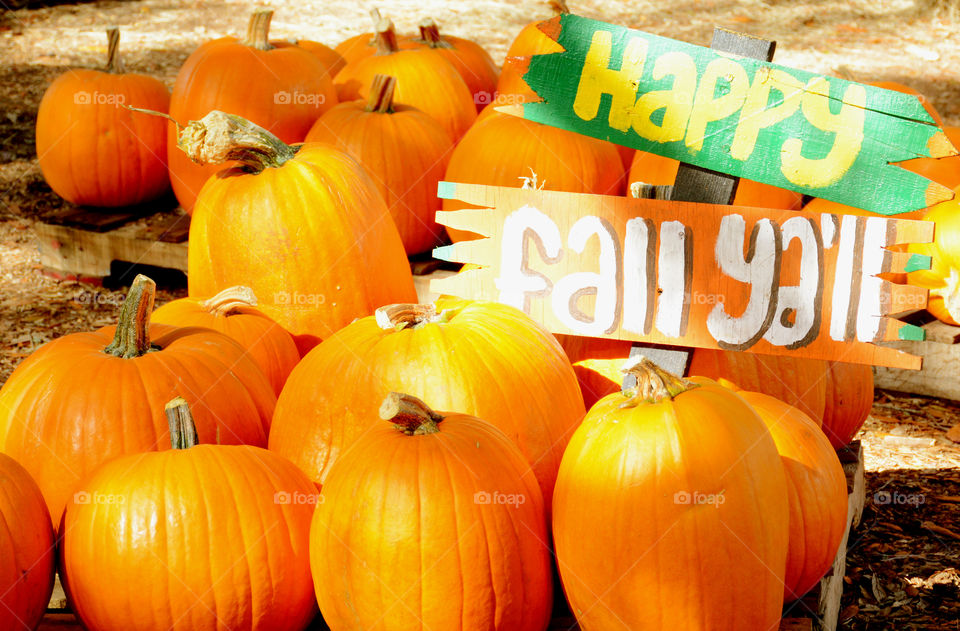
(690, 274)
(818, 135)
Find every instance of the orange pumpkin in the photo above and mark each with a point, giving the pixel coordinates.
(511, 88)
(86, 398)
(26, 548)
(233, 312)
(198, 537)
(331, 59)
(666, 504)
(849, 401)
(598, 378)
(398, 502)
(425, 81)
(306, 230)
(479, 357)
(275, 84)
(504, 150)
(92, 150)
(404, 150)
(943, 277)
(366, 44)
(474, 64)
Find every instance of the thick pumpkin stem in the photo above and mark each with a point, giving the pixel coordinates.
(409, 414)
(230, 300)
(380, 99)
(258, 29)
(654, 384)
(132, 338)
(219, 137)
(114, 60)
(559, 7)
(183, 430)
(386, 37)
(400, 316)
(430, 34)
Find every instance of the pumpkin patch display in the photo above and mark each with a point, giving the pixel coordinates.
(27, 556)
(668, 501)
(278, 85)
(484, 358)
(417, 485)
(233, 312)
(197, 537)
(305, 229)
(86, 398)
(83, 120)
(404, 150)
(849, 401)
(474, 64)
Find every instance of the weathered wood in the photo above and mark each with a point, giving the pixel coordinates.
(940, 352)
(106, 219)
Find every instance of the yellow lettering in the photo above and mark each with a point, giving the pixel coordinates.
(755, 114)
(676, 102)
(597, 79)
(707, 107)
(847, 125)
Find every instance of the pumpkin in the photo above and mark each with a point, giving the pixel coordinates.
(511, 88)
(403, 149)
(366, 44)
(944, 171)
(26, 548)
(425, 80)
(816, 491)
(398, 502)
(598, 378)
(92, 150)
(474, 64)
(669, 501)
(504, 150)
(86, 398)
(331, 59)
(943, 277)
(198, 537)
(275, 84)
(849, 401)
(233, 312)
(486, 359)
(306, 230)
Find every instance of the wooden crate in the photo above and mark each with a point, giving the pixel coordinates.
(941, 362)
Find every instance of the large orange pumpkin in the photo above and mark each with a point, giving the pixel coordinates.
(483, 358)
(233, 312)
(86, 398)
(92, 150)
(474, 64)
(195, 538)
(849, 400)
(280, 86)
(27, 556)
(306, 230)
(404, 150)
(503, 150)
(667, 503)
(398, 502)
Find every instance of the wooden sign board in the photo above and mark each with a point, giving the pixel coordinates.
(689, 274)
(818, 135)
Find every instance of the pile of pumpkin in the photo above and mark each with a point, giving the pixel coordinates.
(299, 431)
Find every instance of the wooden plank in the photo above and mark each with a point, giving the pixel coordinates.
(107, 219)
(940, 352)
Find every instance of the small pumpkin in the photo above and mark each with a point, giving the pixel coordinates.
(233, 312)
(529, 41)
(331, 59)
(425, 80)
(398, 502)
(86, 398)
(668, 501)
(280, 86)
(404, 150)
(366, 44)
(849, 401)
(474, 64)
(306, 230)
(198, 537)
(943, 277)
(92, 150)
(26, 548)
(484, 358)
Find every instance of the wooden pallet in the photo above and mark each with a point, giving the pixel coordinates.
(941, 362)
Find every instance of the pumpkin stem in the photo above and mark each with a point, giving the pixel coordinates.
(258, 29)
(230, 300)
(559, 7)
(183, 430)
(430, 34)
(114, 60)
(386, 37)
(654, 384)
(400, 316)
(219, 137)
(132, 338)
(381, 94)
(155, 113)
(409, 414)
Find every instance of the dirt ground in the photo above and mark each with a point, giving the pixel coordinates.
(903, 560)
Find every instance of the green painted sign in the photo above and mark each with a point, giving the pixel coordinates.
(819, 135)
